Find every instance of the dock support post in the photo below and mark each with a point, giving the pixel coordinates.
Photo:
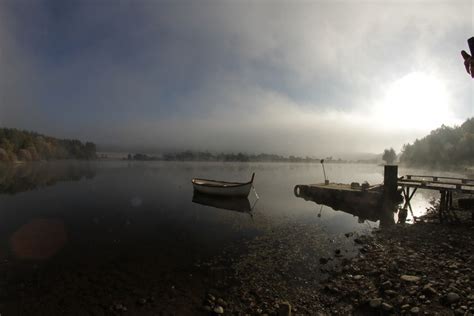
(390, 186)
(390, 182)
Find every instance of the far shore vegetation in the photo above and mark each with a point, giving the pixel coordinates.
(189, 155)
(21, 146)
(443, 147)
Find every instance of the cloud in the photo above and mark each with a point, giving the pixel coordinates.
(300, 77)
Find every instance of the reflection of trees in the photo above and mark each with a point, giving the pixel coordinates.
(29, 176)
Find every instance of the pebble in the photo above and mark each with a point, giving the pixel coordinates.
(375, 303)
(284, 309)
(219, 310)
(410, 278)
(428, 289)
(452, 298)
(390, 292)
(415, 310)
(221, 302)
(386, 307)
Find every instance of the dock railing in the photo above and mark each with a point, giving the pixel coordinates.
(445, 185)
(461, 185)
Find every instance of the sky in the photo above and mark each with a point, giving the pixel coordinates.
(310, 78)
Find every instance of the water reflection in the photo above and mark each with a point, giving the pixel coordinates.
(362, 211)
(239, 204)
(30, 176)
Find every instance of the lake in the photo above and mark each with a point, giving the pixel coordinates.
(100, 216)
(142, 202)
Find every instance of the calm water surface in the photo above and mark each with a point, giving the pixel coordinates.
(81, 210)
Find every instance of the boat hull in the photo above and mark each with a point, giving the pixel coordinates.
(238, 191)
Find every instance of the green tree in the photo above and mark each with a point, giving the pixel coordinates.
(389, 156)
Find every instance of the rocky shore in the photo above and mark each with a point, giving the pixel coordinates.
(297, 269)
(421, 269)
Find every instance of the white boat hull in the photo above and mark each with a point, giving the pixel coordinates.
(241, 190)
(223, 188)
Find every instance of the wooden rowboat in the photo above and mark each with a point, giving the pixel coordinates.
(222, 188)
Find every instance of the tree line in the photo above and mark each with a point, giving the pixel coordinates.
(20, 145)
(189, 155)
(442, 147)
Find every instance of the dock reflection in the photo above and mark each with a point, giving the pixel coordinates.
(237, 204)
(362, 211)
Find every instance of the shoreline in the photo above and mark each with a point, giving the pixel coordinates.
(419, 269)
(423, 268)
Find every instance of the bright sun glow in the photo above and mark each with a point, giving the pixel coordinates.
(416, 101)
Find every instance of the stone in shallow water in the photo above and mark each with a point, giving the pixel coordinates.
(410, 278)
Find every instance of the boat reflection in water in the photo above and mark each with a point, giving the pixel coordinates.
(238, 204)
(364, 211)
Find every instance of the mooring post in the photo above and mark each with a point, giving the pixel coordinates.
(390, 186)
(390, 182)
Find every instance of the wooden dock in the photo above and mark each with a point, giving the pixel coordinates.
(392, 192)
(446, 186)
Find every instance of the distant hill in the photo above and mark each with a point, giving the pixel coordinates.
(19, 145)
(445, 146)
